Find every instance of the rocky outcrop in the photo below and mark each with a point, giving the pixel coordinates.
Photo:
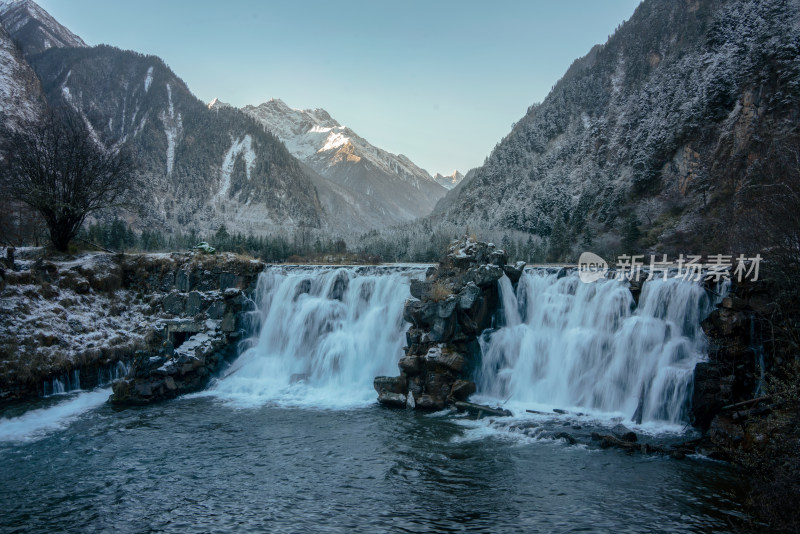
(447, 311)
(736, 360)
(201, 319)
(86, 319)
(185, 351)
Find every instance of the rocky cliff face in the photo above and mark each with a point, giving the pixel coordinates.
(21, 95)
(449, 309)
(740, 357)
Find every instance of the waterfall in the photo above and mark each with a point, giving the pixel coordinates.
(565, 343)
(112, 372)
(62, 384)
(320, 336)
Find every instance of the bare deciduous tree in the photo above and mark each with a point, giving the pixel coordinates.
(55, 165)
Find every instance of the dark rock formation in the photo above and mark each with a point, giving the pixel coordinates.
(85, 319)
(447, 311)
(736, 355)
(203, 320)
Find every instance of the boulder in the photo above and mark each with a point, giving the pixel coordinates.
(624, 433)
(183, 281)
(462, 389)
(395, 400)
(569, 438)
(194, 303)
(173, 303)
(216, 310)
(447, 358)
(420, 289)
(428, 402)
(390, 384)
(486, 275)
(228, 322)
(514, 272)
(227, 280)
(419, 313)
(410, 365)
(469, 297)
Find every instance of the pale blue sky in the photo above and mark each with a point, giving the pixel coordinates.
(438, 81)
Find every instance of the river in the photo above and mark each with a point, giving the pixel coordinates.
(290, 438)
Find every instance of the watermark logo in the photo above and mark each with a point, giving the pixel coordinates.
(715, 267)
(591, 267)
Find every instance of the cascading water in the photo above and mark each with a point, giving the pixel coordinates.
(63, 384)
(112, 372)
(321, 336)
(582, 345)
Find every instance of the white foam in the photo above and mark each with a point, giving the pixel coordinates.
(313, 350)
(35, 424)
(569, 344)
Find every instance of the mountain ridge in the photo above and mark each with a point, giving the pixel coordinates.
(336, 152)
(645, 135)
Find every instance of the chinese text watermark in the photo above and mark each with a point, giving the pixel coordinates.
(714, 268)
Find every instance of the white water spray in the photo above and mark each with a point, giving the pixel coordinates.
(322, 335)
(38, 423)
(570, 344)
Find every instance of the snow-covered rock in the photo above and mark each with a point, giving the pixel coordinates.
(85, 314)
(449, 181)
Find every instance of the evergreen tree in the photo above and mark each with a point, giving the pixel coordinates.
(631, 235)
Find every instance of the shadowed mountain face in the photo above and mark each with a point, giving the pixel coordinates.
(398, 189)
(20, 91)
(661, 125)
(204, 167)
(34, 28)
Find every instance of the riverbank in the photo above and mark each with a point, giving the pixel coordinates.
(66, 322)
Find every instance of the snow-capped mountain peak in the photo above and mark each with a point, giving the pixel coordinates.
(339, 154)
(312, 132)
(448, 181)
(218, 104)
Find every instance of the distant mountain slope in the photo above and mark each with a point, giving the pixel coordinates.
(34, 28)
(400, 190)
(662, 125)
(20, 90)
(206, 168)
